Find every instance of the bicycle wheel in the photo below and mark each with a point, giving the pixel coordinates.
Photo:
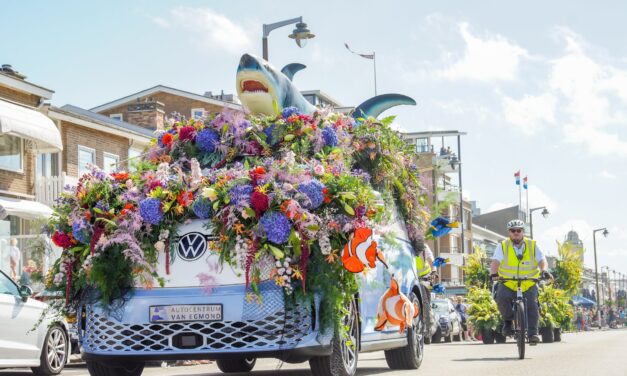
(520, 329)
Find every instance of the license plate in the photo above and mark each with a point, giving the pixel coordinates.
(186, 312)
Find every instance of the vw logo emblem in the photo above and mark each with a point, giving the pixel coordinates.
(191, 246)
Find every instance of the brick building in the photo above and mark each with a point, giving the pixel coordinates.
(92, 138)
(149, 108)
(27, 136)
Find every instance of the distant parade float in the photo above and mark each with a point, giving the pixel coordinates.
(291, 192)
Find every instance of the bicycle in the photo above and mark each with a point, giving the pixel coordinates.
(519, 308)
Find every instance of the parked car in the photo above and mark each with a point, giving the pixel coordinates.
(25, 340)
(47, 296)
(450, 327)
(182, 321)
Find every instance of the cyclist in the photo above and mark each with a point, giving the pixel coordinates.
(518, 257)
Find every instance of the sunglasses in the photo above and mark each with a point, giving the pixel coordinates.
(516, 230)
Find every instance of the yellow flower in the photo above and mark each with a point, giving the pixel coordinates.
(332, 257)
(297, 273)
(179, 210)
(239, 228)
(210, 193)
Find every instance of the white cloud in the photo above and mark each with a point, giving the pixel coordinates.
(211, 30)
(491, 59)
(547, 238)
(594, 96)
(537, 197)
(531, 112)
(498, 206)
(607, 175)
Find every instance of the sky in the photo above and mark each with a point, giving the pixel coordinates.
(538, 86)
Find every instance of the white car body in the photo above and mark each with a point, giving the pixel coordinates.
(21, 343)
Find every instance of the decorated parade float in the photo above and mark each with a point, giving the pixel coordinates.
(286, 231)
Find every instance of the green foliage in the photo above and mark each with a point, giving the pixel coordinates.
(569, 268)
(555, 311)
(476, 271)
(483, 312)
(111, 265)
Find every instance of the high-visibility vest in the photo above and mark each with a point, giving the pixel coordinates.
(527, 266)
(422, 267)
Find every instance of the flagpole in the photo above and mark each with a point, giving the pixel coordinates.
(374, 59)
(519, 197)
(527, 199)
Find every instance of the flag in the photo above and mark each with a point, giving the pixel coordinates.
(367, 56)
(517, 176)
(525, 183)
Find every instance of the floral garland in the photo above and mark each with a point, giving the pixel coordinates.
(290, 188)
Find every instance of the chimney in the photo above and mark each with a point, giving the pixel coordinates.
(148, 113)
(8, 70)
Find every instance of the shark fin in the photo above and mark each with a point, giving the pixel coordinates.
(376, 105)
(290, 69)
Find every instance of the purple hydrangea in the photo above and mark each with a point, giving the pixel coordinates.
(202, 208)
(289, 111)
(277, 227)
(206, 140)
(102, 206)
(151, 210)
(313, 190)
(81, 232)
(240, 194)
(268, 132)
(329, 136)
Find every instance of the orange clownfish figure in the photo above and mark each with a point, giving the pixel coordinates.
(360, 251)
(395, 309)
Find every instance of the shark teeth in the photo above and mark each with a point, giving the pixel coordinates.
(252, 86)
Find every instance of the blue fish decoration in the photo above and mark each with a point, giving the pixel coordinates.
(441, 226)
(439, 289)
(439, 261)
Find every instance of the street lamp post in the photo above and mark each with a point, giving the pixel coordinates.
(545, 213)
(300, 34)
(596, 271)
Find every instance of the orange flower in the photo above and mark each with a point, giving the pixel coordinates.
(167, 139)
(327, 196)
(185, 198)
(332, 257)
(239, 228)
(120, 176)
(87, 215)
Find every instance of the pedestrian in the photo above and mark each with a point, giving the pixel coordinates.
(15, 257)
(461, 309)
(579, 320)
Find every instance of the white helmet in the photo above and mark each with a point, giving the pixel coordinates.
(515, 223)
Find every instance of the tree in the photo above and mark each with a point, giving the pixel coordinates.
(569, 267)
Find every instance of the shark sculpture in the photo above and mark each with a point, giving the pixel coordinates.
(264, 90)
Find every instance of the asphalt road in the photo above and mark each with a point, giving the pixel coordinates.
(592, 353)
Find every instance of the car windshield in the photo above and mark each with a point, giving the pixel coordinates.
(440, 307)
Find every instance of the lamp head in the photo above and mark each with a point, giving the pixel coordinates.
(545, 213)
(605, 232)
(301, 34)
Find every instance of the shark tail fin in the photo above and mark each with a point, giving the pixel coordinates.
(290, 69)
(376, 105)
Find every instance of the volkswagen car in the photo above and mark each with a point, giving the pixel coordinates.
(27, 339)
(446, 316)
(203, 313)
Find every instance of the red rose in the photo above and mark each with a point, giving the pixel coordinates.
(260, 202)
(167, 139)
(61, 239)
(187, 133)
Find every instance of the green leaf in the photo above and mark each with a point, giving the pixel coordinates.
(289, 137)
(277, 253)
(348, 209)
(295, 242)
(250, 212)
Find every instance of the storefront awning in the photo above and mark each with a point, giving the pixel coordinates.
(23, 208)
(30, 124)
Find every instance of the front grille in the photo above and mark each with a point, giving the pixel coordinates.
(265, 326)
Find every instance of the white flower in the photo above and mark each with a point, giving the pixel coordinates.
(160, 246)
(319, 169)
(58, 278)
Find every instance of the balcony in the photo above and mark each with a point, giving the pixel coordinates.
(49, 188)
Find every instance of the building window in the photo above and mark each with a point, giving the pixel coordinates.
(110, 162)
(198, 113)
(48, 164)
(11, 151)
(86, 156)
(133, 158)
(119, 117)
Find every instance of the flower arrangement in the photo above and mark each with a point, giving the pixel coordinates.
(292, 187)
